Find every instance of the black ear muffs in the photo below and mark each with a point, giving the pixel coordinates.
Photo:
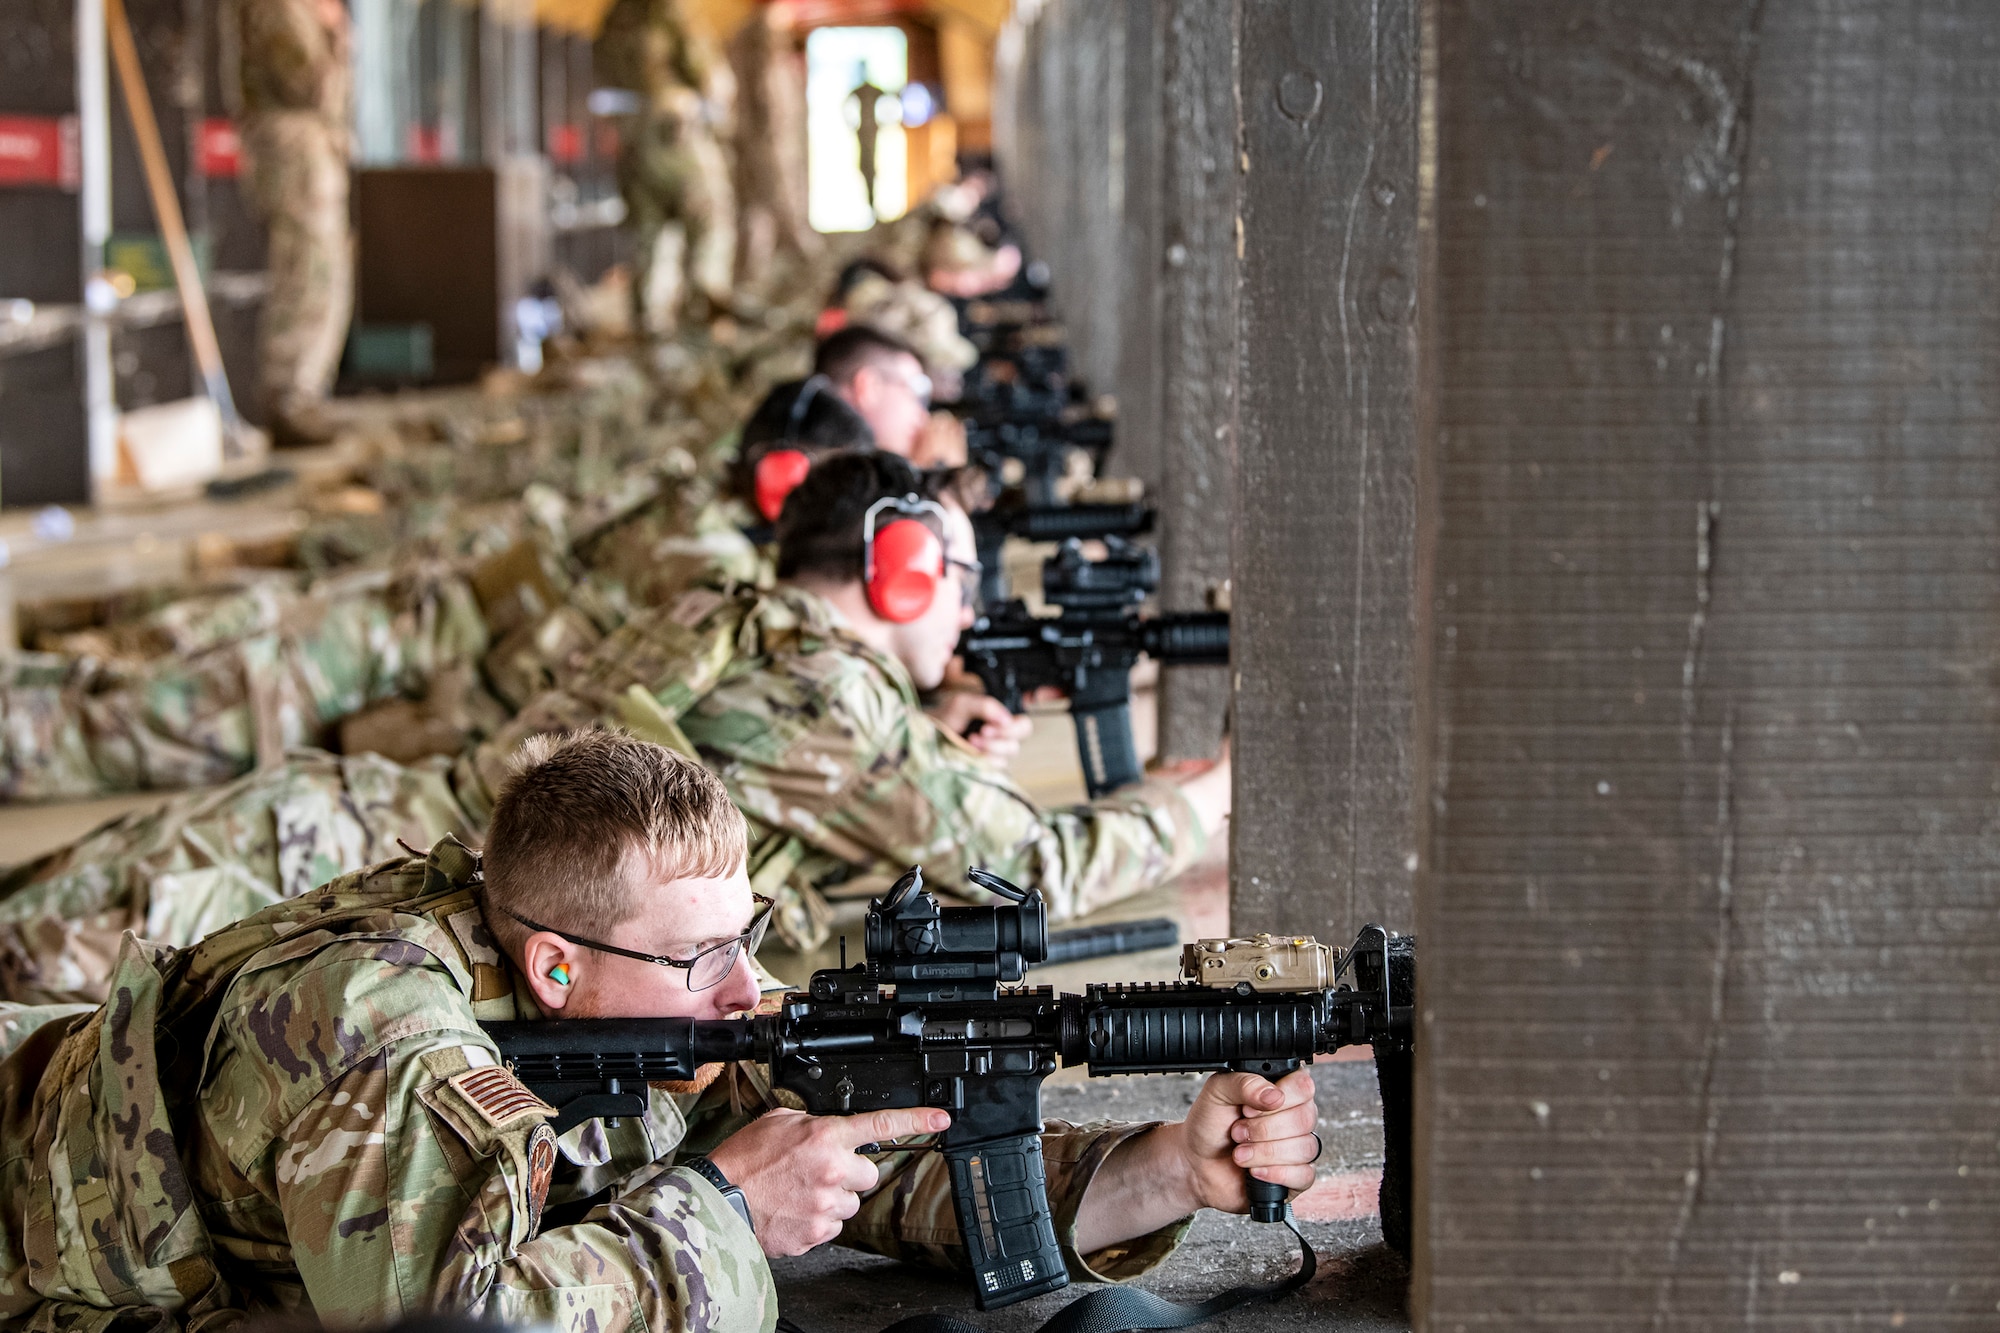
(903, 559)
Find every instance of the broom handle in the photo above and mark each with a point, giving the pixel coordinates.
(167, 211)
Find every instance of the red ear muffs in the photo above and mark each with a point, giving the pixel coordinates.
(831, 320)
(778, 475)
(905, 568)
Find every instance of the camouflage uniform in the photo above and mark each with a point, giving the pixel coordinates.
(295, 92)
(917, 315)
(205, 859)
(228, 680)
(671, 170)
(302, 1114)
(820, 739)
(204, 688)
(770, 145)
(845, 780)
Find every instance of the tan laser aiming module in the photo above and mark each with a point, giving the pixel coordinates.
(1262, 962)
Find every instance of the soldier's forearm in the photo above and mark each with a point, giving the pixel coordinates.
(1142, 1187)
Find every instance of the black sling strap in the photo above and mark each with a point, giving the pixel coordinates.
(1116, 1309)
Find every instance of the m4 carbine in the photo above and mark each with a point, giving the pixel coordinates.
(935, 1017)
(1046, 523)
(1032, 449)
(1087, 649)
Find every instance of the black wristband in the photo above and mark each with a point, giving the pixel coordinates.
(712, 1173)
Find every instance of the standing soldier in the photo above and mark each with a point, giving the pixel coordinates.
(770, 143)
(867, 127)
(671, 168)
(295, 90)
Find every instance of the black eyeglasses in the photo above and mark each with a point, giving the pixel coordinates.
(706, 969)
(968, 573)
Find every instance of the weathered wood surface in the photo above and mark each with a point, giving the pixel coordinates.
(1325, 505)
(1141, 150)
(1194, 276)
(1707, 904)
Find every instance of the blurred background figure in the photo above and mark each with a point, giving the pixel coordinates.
(770, 144)
(672, 172)
(295, 77)
(867, 126)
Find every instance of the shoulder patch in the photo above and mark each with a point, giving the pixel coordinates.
(498, 1097)
(541, 1170)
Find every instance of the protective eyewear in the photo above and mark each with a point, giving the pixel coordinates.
(918, 384)
(707, 968)
(968, 573)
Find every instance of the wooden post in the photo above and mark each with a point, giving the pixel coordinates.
(1139, 251)
(1196, 277)
(1325, 508)
(1707, 926)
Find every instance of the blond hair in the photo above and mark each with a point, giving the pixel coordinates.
(585, 815)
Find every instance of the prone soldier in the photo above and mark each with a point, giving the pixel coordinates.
(804, 697)
(306, 1107)
(886, 381)
(389, 660)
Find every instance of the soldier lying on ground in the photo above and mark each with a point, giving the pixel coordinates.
(869, 293)
(203, 688)
(306, 1106)
(804, 697)
(882, 377)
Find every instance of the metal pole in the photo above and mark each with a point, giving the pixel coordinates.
(93, 105)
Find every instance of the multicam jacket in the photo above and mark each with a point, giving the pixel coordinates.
(302, 1113)
(204, 688)
(845, 779)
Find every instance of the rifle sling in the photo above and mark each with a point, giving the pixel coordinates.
(1114, 1309)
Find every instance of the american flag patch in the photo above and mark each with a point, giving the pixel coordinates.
(498, 1096)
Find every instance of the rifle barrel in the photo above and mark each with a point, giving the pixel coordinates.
(1187, 638)
(1115, 937)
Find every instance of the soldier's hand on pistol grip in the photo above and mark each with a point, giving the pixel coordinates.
(801, 1174)
(984, 722)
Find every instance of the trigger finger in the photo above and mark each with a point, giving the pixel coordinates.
(860, 1176)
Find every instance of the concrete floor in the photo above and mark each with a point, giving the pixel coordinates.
(1360, 1285)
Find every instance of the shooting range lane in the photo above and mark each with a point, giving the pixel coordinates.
(1359, 1288)
(1708, 908)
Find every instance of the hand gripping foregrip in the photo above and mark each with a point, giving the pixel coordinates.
(1268, 1199)
(1002, 1199)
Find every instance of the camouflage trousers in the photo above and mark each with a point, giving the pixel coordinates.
(205, 859)
(297, 179)
(222, 682)
(681, 207)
